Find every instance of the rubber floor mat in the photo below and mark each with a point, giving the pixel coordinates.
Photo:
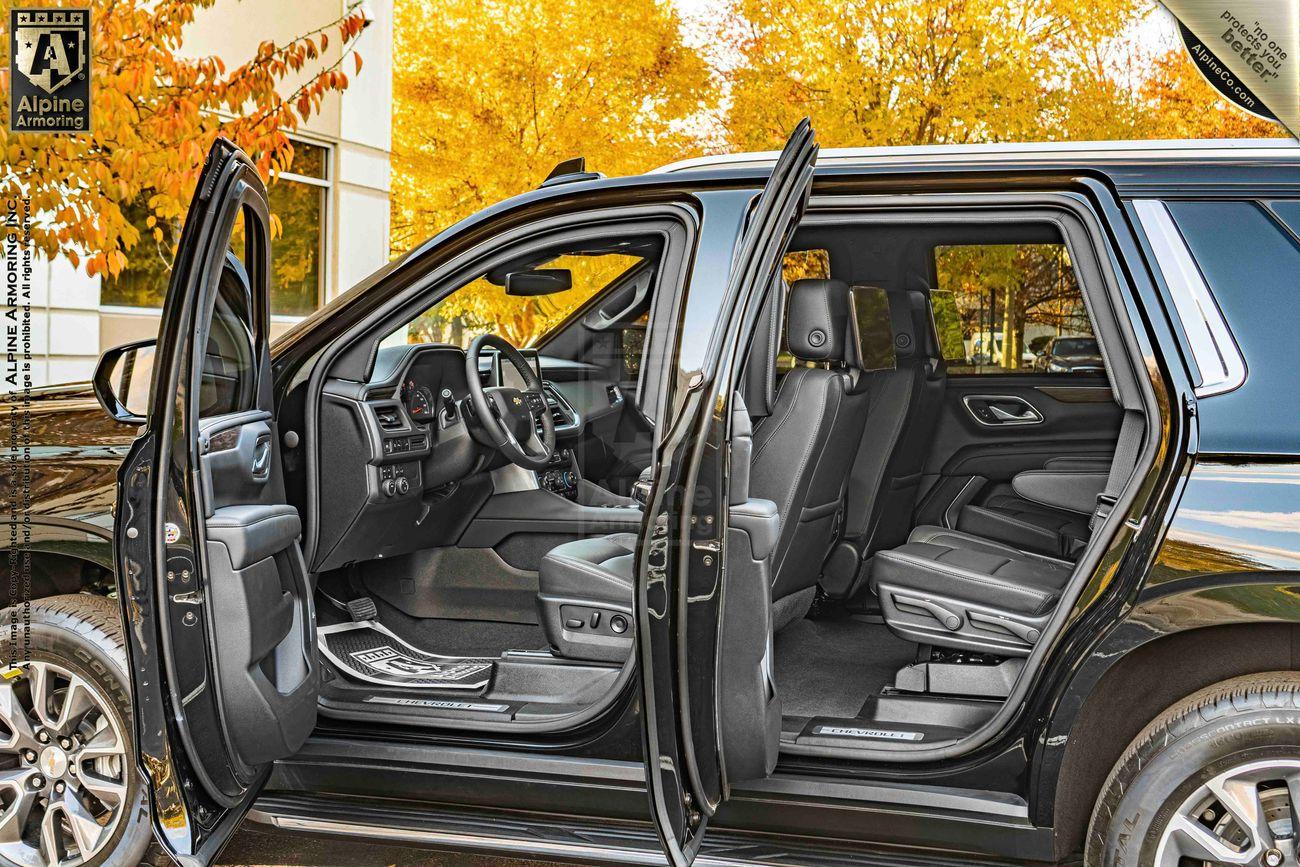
(367, 651)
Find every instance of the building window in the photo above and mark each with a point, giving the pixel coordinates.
(298, 202)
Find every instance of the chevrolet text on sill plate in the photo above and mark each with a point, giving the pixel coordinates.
(49, 70)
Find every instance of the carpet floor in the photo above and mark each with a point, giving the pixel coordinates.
(829, 667)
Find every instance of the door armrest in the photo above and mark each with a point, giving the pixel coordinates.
(1071, 491)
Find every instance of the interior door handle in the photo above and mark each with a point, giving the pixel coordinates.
(995, 410)
(1027, 416)
(261, 466)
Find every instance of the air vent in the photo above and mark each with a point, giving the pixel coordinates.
(561, 415)
(389, 417)
(615, 396)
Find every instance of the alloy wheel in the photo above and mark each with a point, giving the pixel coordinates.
(1247, 815)
(63, 768)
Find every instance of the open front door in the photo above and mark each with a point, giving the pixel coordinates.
(711, 714)
(214, 591)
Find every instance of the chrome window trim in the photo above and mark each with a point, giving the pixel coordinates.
(1213, 347)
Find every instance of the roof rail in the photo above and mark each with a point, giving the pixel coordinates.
(1093, 151)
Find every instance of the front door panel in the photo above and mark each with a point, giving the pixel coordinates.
(214, 592)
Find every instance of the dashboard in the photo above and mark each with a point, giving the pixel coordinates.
(396, 451)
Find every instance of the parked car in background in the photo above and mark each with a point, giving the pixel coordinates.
(1071, 355)
(704, 563)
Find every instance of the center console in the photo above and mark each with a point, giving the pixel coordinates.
(561, 477)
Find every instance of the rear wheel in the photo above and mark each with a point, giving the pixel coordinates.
(69, 794)
(1214, 780)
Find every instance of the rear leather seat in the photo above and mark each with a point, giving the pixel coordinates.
(958, 590)
(1006, 515)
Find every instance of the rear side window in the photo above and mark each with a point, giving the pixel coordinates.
(1012, 308)
(806, 265)
(1249, 255)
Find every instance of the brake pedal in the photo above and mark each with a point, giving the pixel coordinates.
(362, 609)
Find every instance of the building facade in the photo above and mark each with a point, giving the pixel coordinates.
(333, 207)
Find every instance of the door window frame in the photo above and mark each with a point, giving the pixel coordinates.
(1125, 341)
(352, 355)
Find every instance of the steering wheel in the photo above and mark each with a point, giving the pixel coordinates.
(509, 416)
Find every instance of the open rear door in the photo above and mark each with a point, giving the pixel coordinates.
(711, 712)
(215, 595)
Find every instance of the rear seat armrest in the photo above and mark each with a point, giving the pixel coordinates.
(1071, 491)
(1078, 465)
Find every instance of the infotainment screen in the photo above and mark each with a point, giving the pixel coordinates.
(505, 373)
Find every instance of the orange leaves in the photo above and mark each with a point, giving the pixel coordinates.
(156, 111)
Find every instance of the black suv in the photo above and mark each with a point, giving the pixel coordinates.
(691, 514)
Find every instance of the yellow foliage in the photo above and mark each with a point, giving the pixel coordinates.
(902, 72)
(482, 306)
(489, 96)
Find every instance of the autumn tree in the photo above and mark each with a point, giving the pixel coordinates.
(1177, 102)
(155, 112)
(489, 96)
(899, 72)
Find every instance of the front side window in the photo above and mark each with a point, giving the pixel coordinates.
(228, 373)
(1011, 308)
(298, 201)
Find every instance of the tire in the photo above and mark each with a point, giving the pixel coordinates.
(1196, 765)
(81, 634)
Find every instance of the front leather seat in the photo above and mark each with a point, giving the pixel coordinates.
(803, 450)
(584, 599)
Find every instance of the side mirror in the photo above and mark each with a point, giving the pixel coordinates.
(122, 380)
(538, 281)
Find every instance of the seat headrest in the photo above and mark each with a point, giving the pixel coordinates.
(820, 325)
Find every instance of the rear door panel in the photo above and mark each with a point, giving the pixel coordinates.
(680, 564)
(972, 457)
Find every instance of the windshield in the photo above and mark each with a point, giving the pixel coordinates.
(1075, 346)
(482, 306)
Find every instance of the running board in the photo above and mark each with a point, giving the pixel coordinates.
(585, 841)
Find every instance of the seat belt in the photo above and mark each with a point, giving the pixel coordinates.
(1131, 433)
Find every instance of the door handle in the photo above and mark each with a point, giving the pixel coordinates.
(994, 410)
(1027, 416)
(261, 466)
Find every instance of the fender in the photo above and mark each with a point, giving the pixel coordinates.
(66, 537)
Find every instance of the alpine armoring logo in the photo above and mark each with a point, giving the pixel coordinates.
(49, 57)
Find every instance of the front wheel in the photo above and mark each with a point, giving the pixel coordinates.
(69, 793)
(1213, 780)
